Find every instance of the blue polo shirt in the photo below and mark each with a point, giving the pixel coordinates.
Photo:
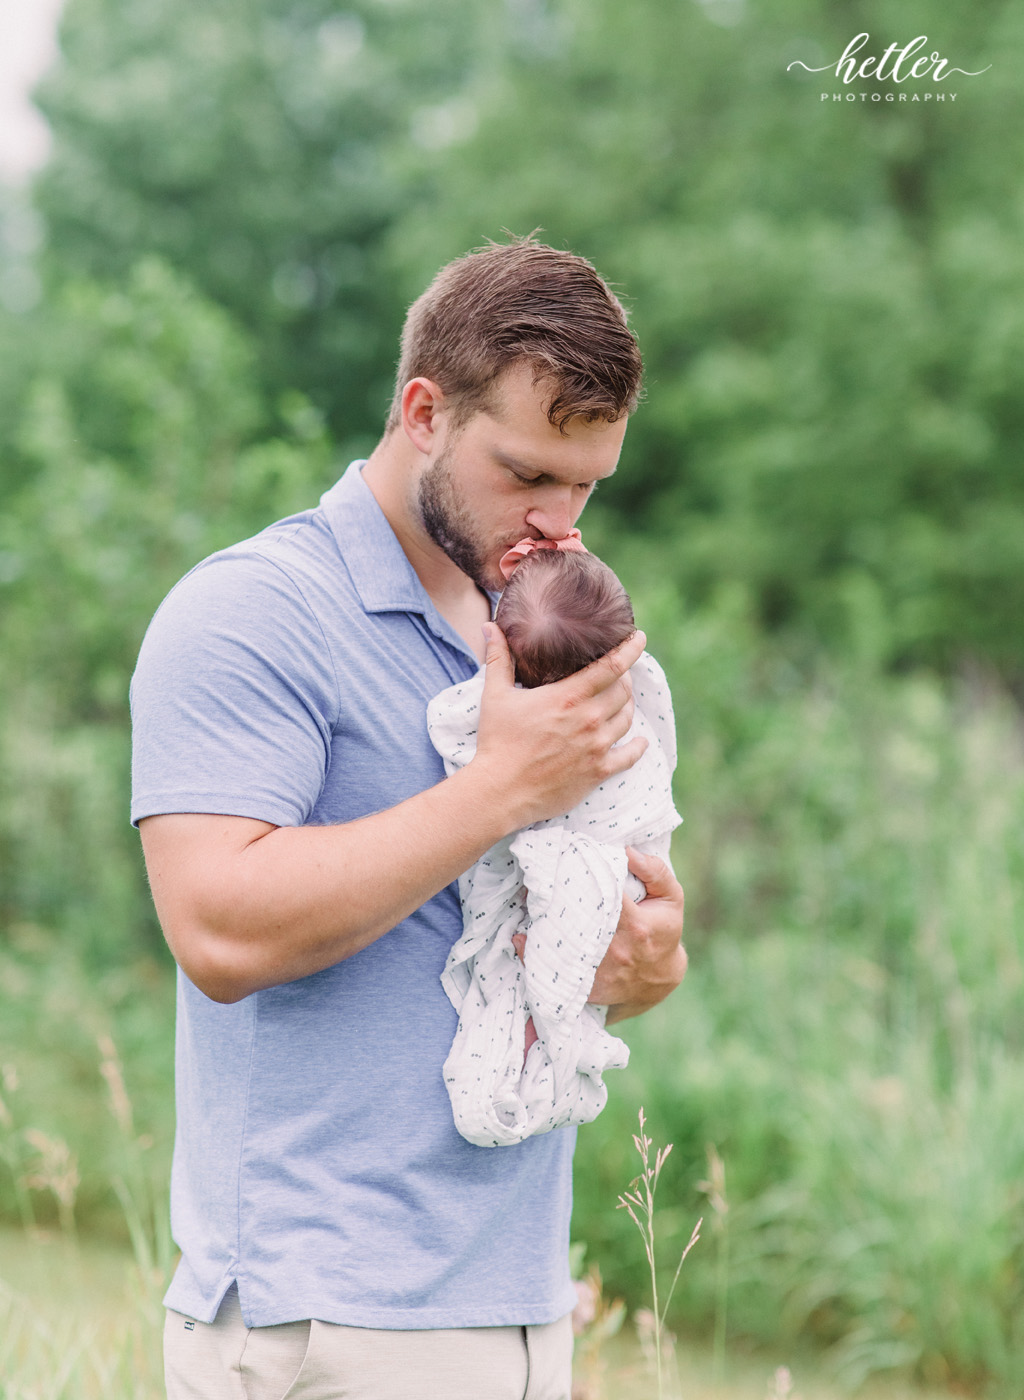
(316, 1162)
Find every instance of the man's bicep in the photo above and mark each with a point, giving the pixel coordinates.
(189, 859)
(182, 842)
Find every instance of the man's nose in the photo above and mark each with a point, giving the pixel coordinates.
(554, 519)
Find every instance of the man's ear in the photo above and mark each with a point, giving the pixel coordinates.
(422, 405)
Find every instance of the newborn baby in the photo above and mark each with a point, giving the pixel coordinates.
(556, 887)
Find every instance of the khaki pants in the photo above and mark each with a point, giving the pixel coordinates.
(225, 1360)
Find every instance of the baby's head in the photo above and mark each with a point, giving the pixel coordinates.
(560, 611)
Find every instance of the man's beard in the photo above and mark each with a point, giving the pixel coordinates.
(446, 522)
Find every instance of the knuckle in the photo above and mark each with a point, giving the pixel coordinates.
(600, 768)
(592, 728)
(618, 953)
(605, 761)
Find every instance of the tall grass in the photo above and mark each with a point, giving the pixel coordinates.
(638, 1203)
(84, 1147)
(86, 1092)
(115, 1355)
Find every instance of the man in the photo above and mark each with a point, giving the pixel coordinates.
(338, 1237)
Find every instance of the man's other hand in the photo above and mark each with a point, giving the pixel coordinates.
(645, 960)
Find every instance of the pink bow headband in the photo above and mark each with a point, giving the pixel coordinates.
(573, 541)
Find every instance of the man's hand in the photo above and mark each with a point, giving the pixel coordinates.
(547, 748)
(645, 959)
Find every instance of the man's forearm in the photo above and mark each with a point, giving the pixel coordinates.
(263, 905)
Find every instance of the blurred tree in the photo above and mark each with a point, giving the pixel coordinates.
(249, 145)
(144, 446)
(22, 343)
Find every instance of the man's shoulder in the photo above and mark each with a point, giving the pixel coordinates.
(236, 691)
(297, 547)
(265, 597)
(293, 564)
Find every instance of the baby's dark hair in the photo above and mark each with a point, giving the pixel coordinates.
(560, 611)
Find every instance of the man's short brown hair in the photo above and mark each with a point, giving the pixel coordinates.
(509, 302)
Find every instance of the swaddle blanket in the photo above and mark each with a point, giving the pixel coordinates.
(561, 883)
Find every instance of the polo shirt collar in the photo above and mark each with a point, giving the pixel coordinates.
(379, 568)
(381, 573)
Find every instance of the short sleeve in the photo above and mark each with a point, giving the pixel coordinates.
(234, 698)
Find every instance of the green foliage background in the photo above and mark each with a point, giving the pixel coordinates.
(820, 512)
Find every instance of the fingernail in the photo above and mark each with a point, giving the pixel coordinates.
(486, 630)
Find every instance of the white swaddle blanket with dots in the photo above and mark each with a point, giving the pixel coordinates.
(561, 883)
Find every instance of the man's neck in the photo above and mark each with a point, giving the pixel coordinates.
(389, 474)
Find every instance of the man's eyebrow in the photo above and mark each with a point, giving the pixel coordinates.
(515, 464)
